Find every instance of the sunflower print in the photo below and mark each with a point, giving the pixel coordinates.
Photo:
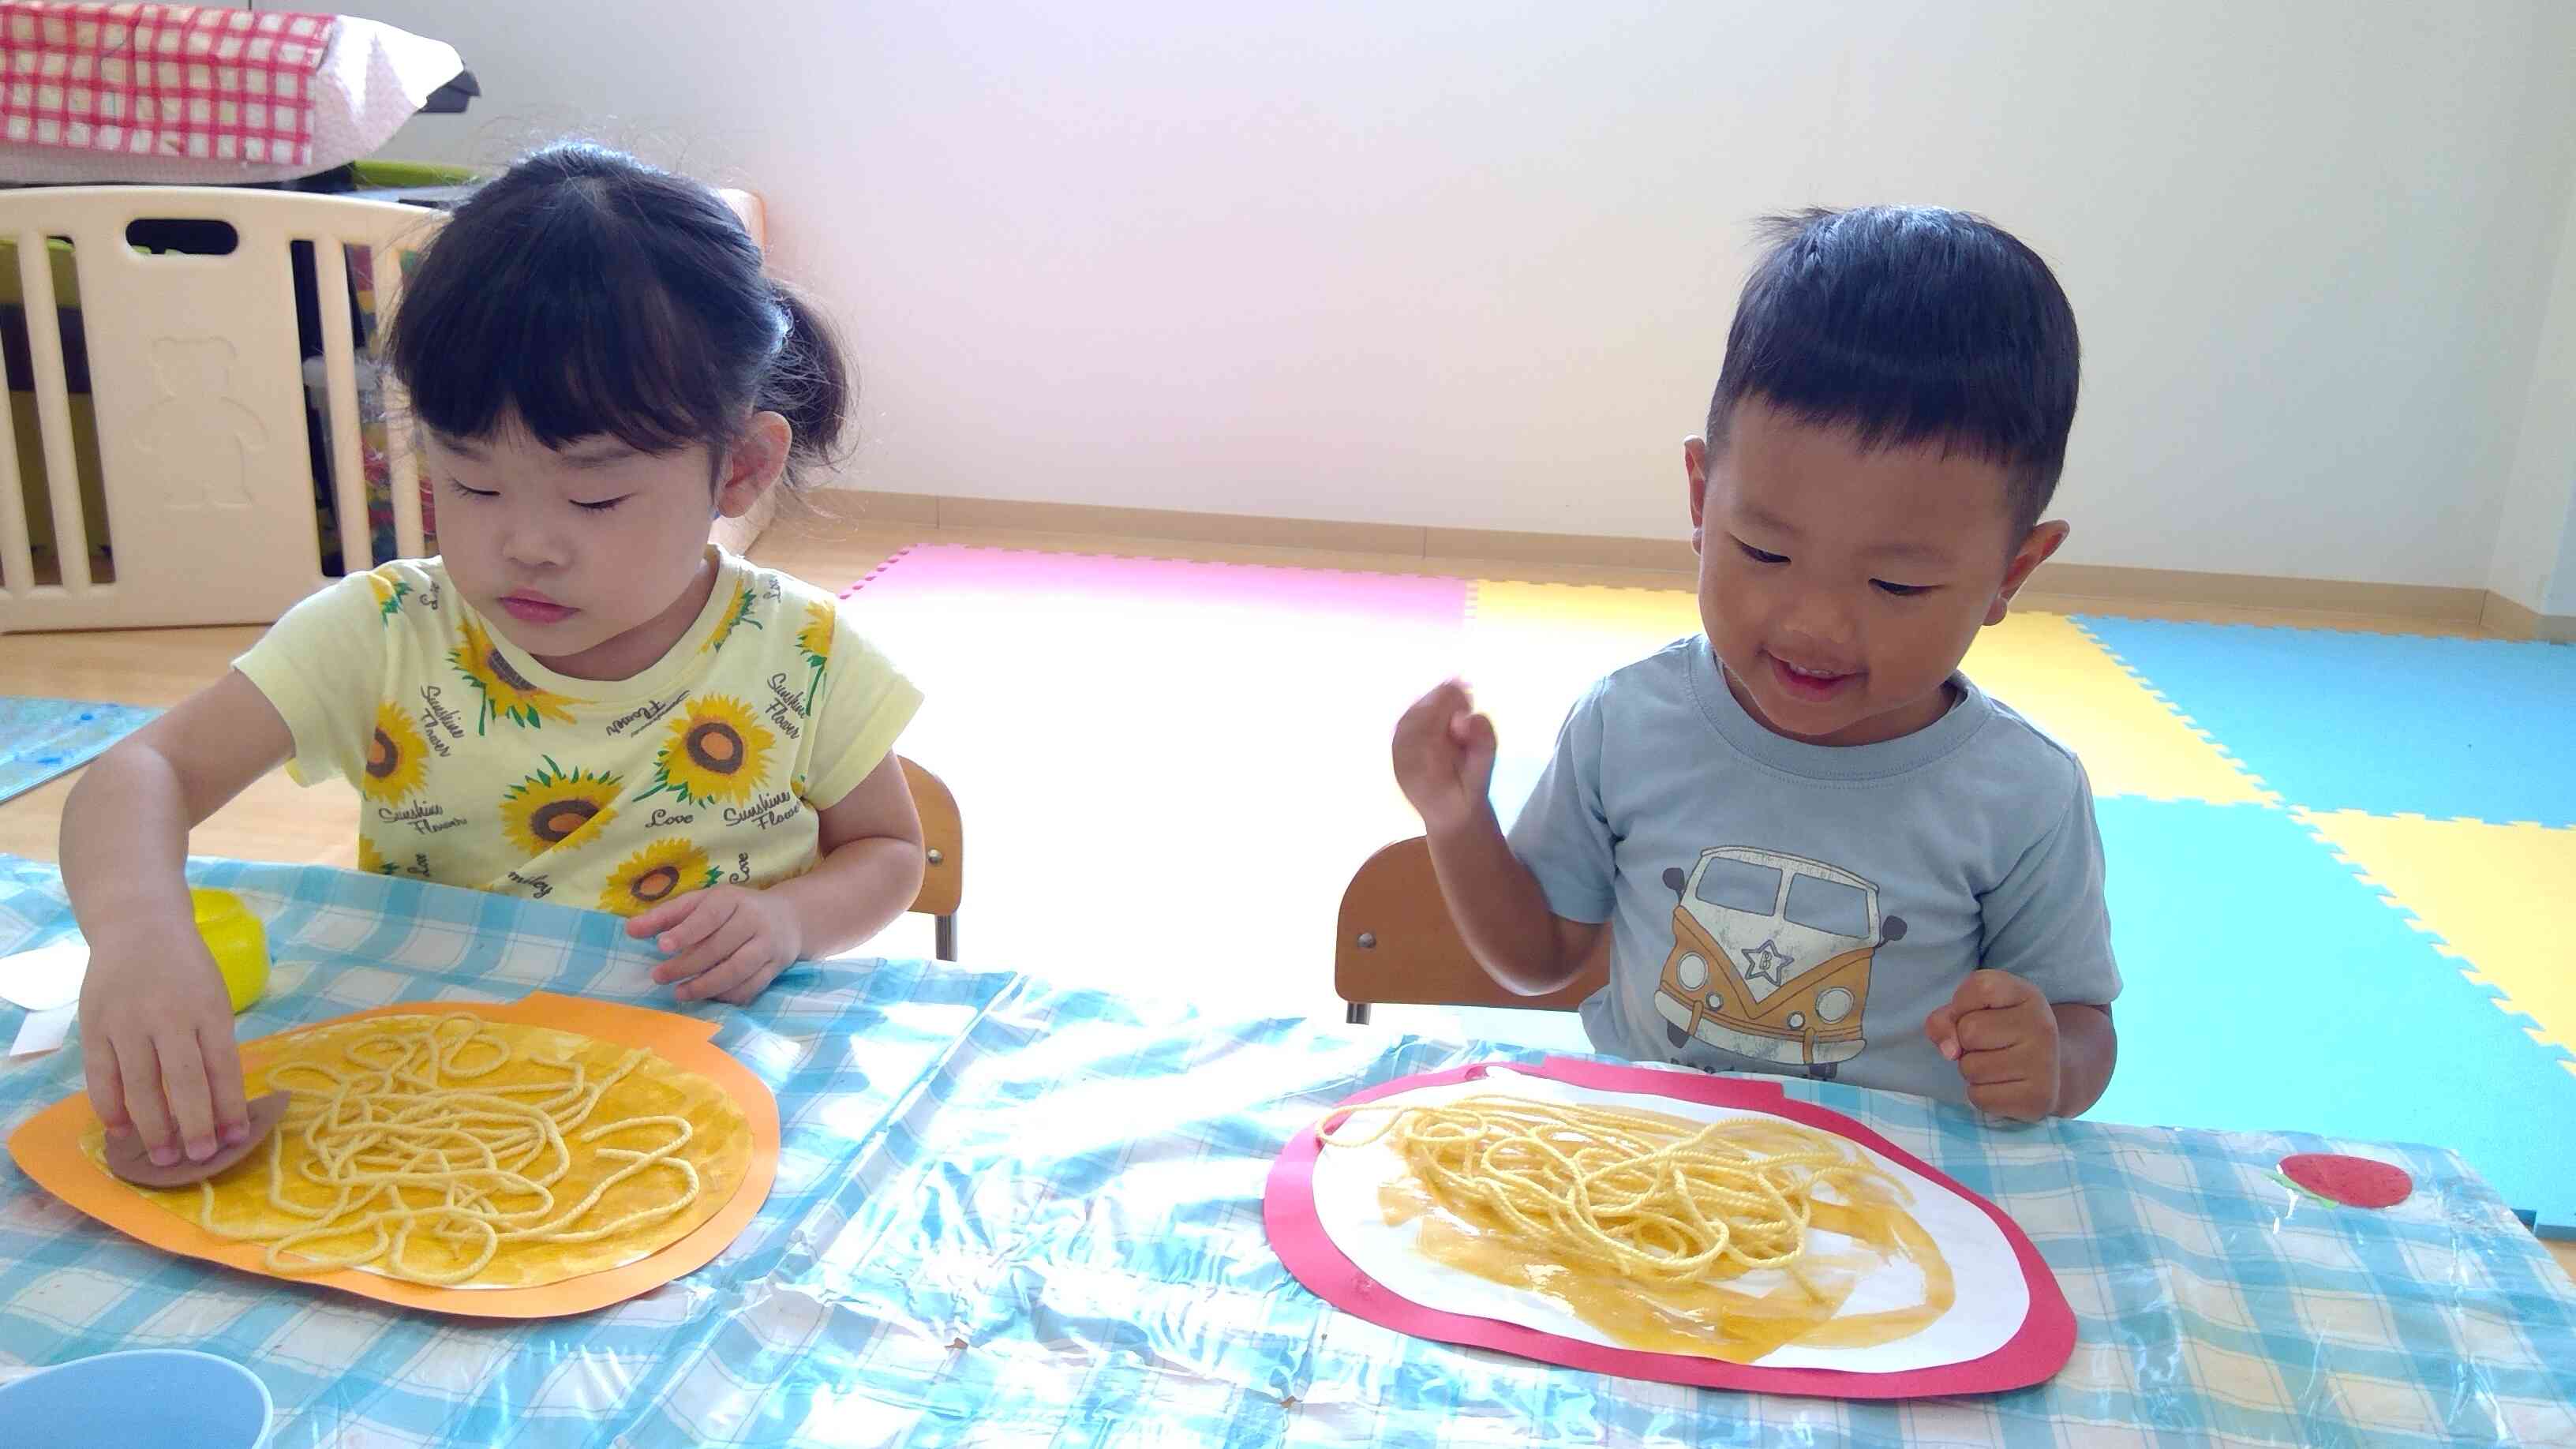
(553, 807)
(716, 752)
(659, 871)
(390, 594)
(740, 613)
(372, 860)
(814, 641)
(397, 759)
(506, 694)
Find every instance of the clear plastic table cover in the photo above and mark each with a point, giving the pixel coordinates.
(1013, 1213)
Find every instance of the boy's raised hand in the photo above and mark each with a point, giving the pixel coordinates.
(157, 1045)
(1444, 757)
(1999, 1030)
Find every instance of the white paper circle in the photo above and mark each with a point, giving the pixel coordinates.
(1992, 1300)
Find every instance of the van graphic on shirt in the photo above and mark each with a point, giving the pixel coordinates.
(1771, 956)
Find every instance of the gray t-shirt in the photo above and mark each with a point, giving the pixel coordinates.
(1786, 907)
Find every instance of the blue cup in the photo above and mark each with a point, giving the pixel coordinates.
(152, 1398)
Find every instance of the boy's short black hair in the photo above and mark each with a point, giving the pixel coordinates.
(1909, 325)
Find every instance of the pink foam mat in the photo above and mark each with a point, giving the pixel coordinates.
(936, 568)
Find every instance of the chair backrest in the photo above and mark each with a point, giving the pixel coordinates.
(943, 838)
(1396, 943)
(197, 385)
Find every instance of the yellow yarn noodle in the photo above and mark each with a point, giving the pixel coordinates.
(408, 1148)
(1637, 1219)
(1632, 1193)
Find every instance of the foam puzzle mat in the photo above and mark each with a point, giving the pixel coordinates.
(2339, 861)
(42, 738)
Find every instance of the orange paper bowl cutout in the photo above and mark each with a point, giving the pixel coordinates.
(48, 1149)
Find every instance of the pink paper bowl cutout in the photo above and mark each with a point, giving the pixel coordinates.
(2035, 1351)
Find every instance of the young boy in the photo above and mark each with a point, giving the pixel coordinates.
(1816, 846)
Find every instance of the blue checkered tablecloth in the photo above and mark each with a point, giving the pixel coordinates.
(1011, 1213)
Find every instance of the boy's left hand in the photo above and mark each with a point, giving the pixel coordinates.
(726, 941)
(2000, 1031)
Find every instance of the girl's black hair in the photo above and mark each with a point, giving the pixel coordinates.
(583, 293)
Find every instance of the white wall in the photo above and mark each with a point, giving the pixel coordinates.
(2535, 557)
(2560, 601)
(1466, 262)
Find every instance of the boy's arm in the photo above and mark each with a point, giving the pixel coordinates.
(2088, 1047)
(2020, 1054)
(2031, 1034)
(1444, 760)
(1501, 912)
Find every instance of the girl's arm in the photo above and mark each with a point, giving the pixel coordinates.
(871, 869)
(156, 1027)
(730, 942)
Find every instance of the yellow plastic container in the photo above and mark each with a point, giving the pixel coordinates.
(238, 942)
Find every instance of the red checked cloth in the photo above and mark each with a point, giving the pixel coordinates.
(162, 80)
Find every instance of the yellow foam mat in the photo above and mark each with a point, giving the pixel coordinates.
(2131, 742)
(1649, 618)
(1533, 649)
(1536, 646)
(2494, 894)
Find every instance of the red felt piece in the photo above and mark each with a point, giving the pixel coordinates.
(2361, 1182)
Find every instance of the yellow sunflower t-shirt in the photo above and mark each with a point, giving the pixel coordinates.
(480, 767)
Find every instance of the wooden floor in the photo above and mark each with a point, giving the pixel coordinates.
(276, 820)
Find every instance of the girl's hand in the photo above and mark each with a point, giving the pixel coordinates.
(156, 1024)
(157, 1045)
(726, 941)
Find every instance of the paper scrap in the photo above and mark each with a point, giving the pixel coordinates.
(43, 1031)
(46, 977)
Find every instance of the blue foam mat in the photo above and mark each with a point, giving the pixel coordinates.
(2389, 724)
(2267, 988)
(41, 738)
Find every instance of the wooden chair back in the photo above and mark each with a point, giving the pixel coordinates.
(1396, 943)
(943, 838)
